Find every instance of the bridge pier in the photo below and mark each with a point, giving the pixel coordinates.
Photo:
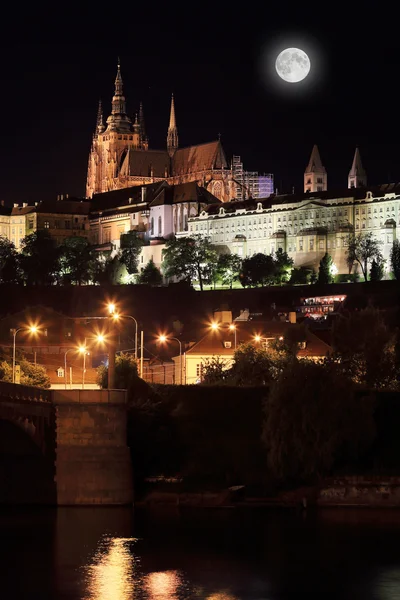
(93, 464)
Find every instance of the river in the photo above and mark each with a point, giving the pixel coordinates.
(219, 554)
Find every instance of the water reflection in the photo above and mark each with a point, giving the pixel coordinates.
(163, 585)
(111, 576)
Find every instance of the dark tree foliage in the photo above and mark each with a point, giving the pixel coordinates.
(258, 269)
(312, 420)
(150, 275)
(395, 259)
(9, 268)
(377, 270)
(300, 276)
(77, 260)
(283, 266)
(229, 267)
(365, 347)
(31, 374)
(362, 249)
(131, 245)
(325, 266)
(39, 259)
(190, 259)
(126, 372)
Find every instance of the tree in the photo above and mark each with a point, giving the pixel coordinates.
(189, 258)
(325, 267)
(395, 259)
(39, 259)
(131, 246)
(31, 374)
(9, 268)
(150, 275)
(215, 370)
(258, 269)
(229, 267)
(108, 270)
(283, 266)
(252, 365)
(313, 419)
(377, 270)
(365, 347)
(362, 249)
(300, 276)
(77, 261)
(126, 372)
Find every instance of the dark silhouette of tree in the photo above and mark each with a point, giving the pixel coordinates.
(150, 275)
(77, 260)
(325, 266)
(39, 259)
(258, 269)
(190, 259)
(377, 270)
(126, 372)
(313, 419)
(283, 266)
(395, 259)
(131, 245)
(9, 267)
(300, 276)
(229, 266)
(362, 249)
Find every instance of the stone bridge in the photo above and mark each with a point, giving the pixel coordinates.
(64, 447)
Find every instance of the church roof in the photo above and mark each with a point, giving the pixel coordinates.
(146, 163)
(356, 167)
(203, 157)
(184, 192)
(63, 207)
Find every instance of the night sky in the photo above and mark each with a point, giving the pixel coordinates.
(219, 62)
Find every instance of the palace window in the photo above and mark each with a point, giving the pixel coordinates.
(300, 245)
(46, 225)
(56, 224)
(311, 245)
(321, 244)
(30, 224)
(67, 224)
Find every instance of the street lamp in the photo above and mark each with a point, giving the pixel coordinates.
(83, 350)
(232, 327)
(117, 316)
(163, 339)
(214, 326)
(30, 329)
(65, 365)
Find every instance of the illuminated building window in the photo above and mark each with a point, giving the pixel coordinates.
(311, 245)
(321, 244)
(60, 372)
(46, 225)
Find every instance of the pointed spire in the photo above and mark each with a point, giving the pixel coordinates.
(119, 120)
(315, 177)
(357, 175)
(100, 122)
(172, 137)
(118, 80)
(315, 163)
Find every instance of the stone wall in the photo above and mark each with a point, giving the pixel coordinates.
(93, 463)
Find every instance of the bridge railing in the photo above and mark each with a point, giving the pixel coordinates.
(24, 392)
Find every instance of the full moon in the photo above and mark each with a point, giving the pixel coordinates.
(292, 65)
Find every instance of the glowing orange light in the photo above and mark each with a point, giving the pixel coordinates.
(100, 338)
(82, 349)
(111, 307)
(162, 338)
(280, 338)
(214, 326)
(115, 316)
(232, 327)
(257, 338)
(33, 329)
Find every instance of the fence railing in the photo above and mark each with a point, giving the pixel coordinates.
(24, 392)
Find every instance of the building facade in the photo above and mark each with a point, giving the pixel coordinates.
(120, 155)
(305, 226)
(249, 184)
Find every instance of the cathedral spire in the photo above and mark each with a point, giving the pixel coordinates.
(315, 177)
(100, 122)
(119, 120)
(141, 121)
(172, 137)
(357, 175)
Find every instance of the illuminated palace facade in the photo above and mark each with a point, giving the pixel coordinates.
(121, 156)
(306, 225)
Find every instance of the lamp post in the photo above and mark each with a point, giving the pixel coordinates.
(117, 316)
(164, 338)
(83, 350)
(232, 327)
(31, 329)
(65, 365)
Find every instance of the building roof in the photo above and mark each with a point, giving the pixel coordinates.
(203, 157)
(68, 206)
(22, 210)
(213, 343)
(125, 196)
(146, 163)
(184, 192)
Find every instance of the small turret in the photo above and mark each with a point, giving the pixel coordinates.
(100, 123)
(315, 176)
(172, 137)
(357, 175)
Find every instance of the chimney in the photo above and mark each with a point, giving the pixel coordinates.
(36, 203)
(24, 204)
(15, 205)
(143, 193)
(66, 196)
(2, 202)
(58, 197)
(61, 196)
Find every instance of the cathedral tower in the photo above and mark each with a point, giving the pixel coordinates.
(357, 176)
(315, 177)
(172, 137)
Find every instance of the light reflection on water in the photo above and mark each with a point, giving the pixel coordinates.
(115, 574)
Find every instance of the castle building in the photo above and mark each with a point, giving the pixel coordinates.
(120, 155)
(315, 176)
(306, 226)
